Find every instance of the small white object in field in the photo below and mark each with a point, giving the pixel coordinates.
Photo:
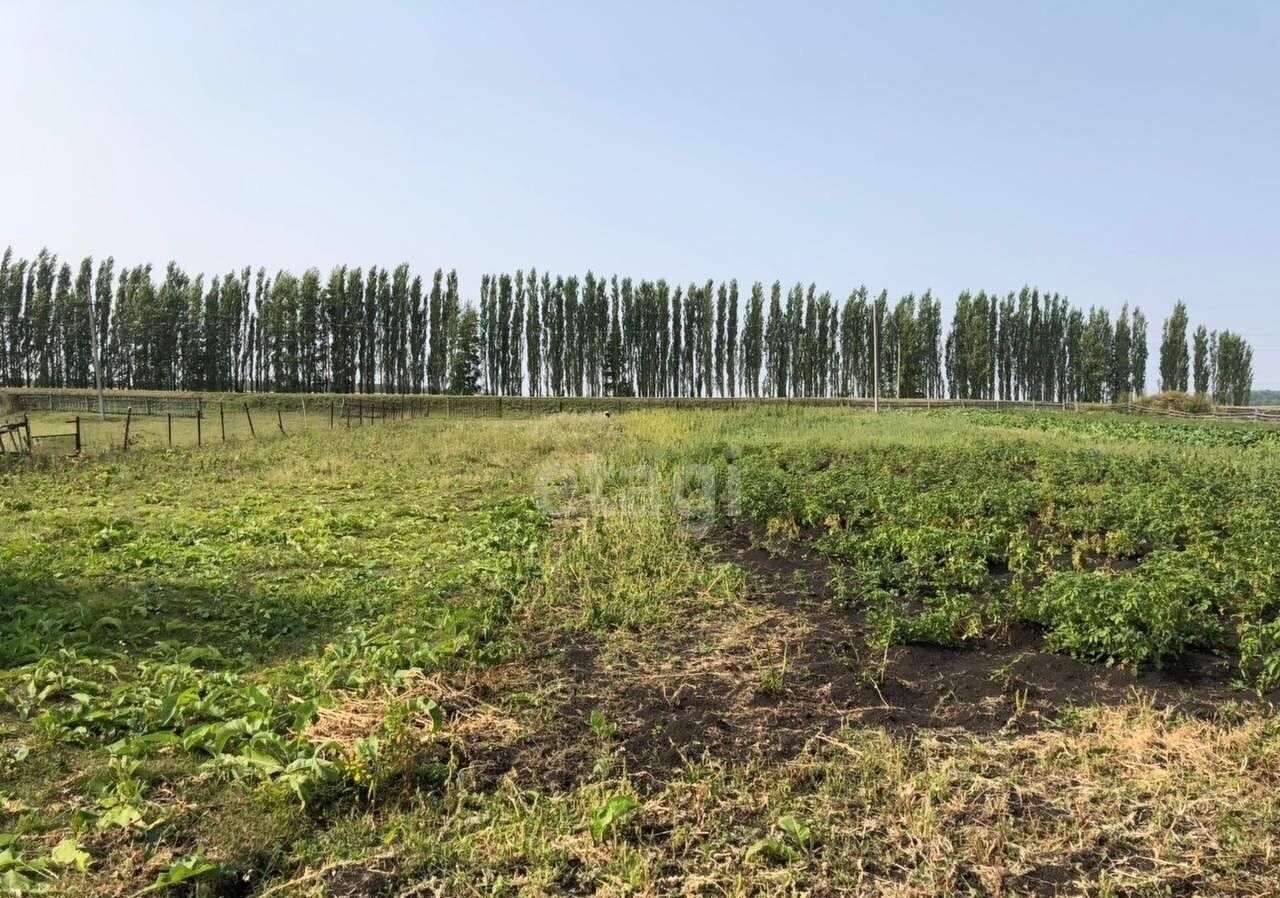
(608, 414)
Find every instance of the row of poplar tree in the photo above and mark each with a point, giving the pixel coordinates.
(389, 330)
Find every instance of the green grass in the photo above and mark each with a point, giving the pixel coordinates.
(285, 665)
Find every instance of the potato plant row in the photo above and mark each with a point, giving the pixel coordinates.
(1118, 556)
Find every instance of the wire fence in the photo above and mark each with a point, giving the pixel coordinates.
(142, 421)
(112, 403)
(363, 407)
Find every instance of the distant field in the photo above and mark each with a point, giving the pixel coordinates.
(763, 651)
(159, 419)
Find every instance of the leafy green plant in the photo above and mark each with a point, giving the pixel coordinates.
(605, 730)
(798, 834)
(186, 869)
(797, 839)
(1124, 619)
(605, 819)
(773, 675)
(1260, 654)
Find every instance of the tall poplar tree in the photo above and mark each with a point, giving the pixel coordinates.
(1121, 353)
(1200, 360)
(533, 335)
(464, 365)
(1139, 352)
(1174, 362)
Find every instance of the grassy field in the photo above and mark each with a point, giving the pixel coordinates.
(755, 652)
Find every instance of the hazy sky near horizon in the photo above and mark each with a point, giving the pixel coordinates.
(1111, 152)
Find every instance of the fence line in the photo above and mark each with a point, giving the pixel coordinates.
(365, 407)
(23, 442)
(1221, 413)
(129, 412)
(360, 409)
(178, 406)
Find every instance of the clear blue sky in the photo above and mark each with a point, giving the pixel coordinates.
(1110, 151)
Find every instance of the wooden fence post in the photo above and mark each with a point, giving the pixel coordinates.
(252, 432)
(280, 418)
(128, 417)
(170, 417)
(199, 429)
(331, 414)
(77, 434)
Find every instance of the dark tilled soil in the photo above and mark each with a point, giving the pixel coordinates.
(790, 669)
(970, 688)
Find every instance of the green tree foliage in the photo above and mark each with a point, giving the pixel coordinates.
(1174, 362)
(1232, 369)
(731, 342)
(464, 365)
(1138, 353)
(381, 329)
(1096, 357)
(437, 347)
(615, 379)
(753, 345)
(1200, 366)
(533, 334)
(1121, 385)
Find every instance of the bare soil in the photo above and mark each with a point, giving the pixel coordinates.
(762, 681)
